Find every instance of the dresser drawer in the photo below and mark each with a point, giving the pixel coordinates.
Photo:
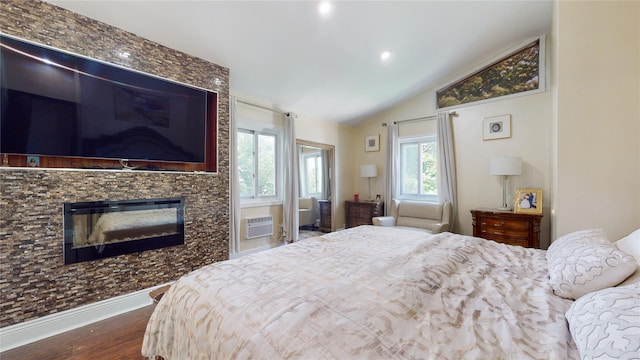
(524, 242)
(358, 222)
(507, 227)
(360, 212)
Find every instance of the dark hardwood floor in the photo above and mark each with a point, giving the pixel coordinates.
(119, 337)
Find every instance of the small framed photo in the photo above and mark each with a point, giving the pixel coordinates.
(528, 201)
(496, 127)
(372, 143)
(33, 161)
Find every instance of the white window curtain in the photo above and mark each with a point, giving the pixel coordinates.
(391, 185)
(301, 176)
(234, 182)
(326, 177)
(447, 189)
(290, 196)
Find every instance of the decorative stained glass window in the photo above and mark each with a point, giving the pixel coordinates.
(516, 73)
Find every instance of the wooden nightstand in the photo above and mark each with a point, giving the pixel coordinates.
(325, 215)
(507, 227)
(360, 212)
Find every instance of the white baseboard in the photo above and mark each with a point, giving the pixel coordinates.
(33, 330)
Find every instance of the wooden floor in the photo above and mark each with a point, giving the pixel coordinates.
(119, 337)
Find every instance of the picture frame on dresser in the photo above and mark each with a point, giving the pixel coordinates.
(528, 201)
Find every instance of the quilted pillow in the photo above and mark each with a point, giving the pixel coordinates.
(585, 261)
(606, 324)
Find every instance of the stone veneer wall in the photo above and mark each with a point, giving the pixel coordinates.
(33, 278)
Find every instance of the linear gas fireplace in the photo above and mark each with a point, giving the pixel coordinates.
(99, 229)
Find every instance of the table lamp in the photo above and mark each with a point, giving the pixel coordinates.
(505, 166)
(369, 171)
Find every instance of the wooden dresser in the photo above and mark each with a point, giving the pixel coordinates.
(360, 212)
(325, 215)
(507, 227)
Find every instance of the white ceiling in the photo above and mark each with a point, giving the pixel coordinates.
(282, 54)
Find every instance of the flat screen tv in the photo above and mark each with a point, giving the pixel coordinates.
(54, 103)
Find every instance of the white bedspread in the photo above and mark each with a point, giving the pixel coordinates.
(367, 293)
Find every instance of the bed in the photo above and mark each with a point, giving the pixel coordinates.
(369, 293)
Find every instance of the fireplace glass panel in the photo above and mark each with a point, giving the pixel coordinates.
(112, 227)
(100, 229)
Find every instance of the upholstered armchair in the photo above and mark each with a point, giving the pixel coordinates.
(417, 215)
(308, 211)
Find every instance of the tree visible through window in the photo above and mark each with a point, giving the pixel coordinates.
(312, 173)
(516, 73)
(419, 168)
(257, 163)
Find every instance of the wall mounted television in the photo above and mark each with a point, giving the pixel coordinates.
(54, 103)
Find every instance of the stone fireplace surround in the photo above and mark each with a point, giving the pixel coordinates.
(34, 281)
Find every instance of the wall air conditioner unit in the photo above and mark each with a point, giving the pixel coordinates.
(258, 226)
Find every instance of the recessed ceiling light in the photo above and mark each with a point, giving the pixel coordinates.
(385, 55)
(324, 8)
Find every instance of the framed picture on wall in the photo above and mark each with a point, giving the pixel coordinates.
(372, 143)
(528, 201)
(33, 161)
(496, 127)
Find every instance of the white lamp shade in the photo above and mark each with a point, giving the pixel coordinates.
(505, 165)
(368, 171)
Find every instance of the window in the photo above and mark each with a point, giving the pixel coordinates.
(418, 168)
(311, 174)
(518, 72)
(259, 164)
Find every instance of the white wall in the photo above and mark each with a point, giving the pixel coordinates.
(247, 113)
(338, 135)
(310, 129)
(598, 116)
(530, 138)
(579, 140)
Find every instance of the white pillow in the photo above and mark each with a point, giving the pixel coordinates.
(631, 245)
(585, 261)
(606, 324)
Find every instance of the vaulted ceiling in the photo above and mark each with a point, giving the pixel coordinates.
(285, 55)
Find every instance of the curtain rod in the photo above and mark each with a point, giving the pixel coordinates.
(261, 107)
(430, 117)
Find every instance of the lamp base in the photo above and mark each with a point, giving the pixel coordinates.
(505, 204)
